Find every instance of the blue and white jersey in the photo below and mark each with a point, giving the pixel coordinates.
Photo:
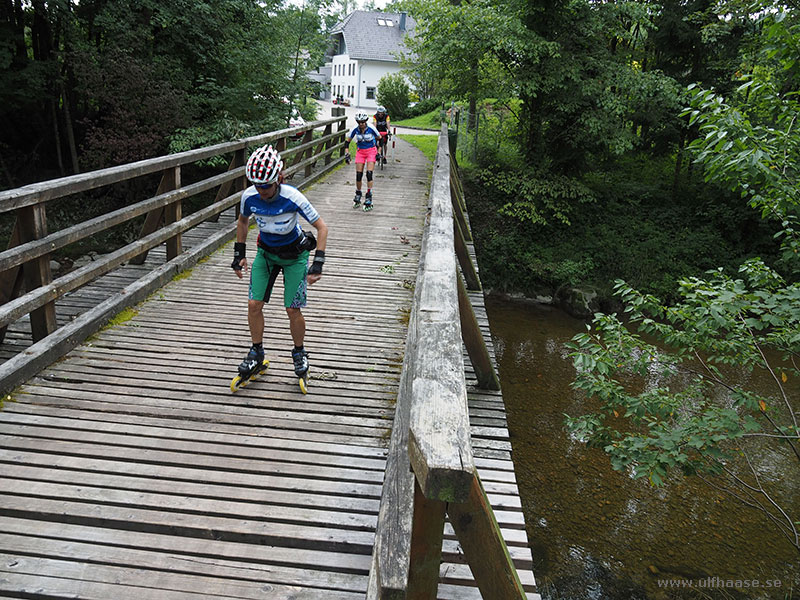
(277, 218)
(368, 139)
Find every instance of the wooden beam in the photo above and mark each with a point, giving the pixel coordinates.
(32, 221)
(173, 212)
(10, 279)
(426, 546)
(440, 448)
(484, 548)
(474, 342)
(464, 259)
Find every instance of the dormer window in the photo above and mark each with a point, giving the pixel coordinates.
(382, 22)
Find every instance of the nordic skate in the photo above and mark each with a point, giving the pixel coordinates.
(250, 368)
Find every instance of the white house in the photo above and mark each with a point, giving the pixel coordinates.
(365, 47)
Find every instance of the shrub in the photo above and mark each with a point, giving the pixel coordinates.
(393, 93)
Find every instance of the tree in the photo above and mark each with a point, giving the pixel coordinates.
(690, 407)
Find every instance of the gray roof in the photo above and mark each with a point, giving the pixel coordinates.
(364, 38)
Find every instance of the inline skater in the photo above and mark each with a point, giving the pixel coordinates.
(382, 124)
(282, 246)
(366, 151)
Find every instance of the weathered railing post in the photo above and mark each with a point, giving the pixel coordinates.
(32, 224)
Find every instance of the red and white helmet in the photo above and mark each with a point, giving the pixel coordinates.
(361, 116)
(264, 165)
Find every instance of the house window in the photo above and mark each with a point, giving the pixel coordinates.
(389, 23)
(381, 22)
(370, 93)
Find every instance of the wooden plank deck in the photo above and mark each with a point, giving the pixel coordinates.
(129, 470)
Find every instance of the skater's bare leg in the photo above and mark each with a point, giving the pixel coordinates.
(297, 326)
(255, 320)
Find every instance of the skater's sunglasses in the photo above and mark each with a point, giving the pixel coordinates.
(264, 186)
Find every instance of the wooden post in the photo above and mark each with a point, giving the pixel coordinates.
(426, 546)
(10, 280)
(173, 213)
(307, 138)
(32, 223)
(170, 180)
(473, 340)
(484, 548)
(329, 143)
(464, 259)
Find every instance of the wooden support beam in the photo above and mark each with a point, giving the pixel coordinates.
(32, 222)
(426, 546)
(153, 220)
(464, 259)
(459, 214)
(307, 139)
(232, 186)
(473, 340)
(173, 212)
(10, 279)
(484, 548)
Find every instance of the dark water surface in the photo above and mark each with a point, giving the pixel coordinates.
(597, 534)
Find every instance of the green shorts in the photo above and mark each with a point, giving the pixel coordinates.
(264, 271)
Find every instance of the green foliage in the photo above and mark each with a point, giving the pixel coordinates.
(537, 200)
(393, 93)
(691, 407)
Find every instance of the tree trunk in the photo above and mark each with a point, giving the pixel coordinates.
(57, 138)
(73, 150)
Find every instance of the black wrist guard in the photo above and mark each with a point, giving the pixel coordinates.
(316, 266)
(239, 252)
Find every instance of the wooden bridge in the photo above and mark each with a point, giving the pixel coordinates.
(130, 471)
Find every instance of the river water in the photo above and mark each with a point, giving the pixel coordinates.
(597, 534)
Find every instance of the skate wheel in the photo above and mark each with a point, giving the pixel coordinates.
(303, 381)
(237, 383)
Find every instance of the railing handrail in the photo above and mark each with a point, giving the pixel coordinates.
(439, 445)
(43, 191)
(430, 469)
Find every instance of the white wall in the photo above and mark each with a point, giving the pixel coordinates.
(367, 74)
(340, 82)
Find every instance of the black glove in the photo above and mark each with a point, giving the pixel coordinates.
(239, 252)
(316, 266)
(347, 157)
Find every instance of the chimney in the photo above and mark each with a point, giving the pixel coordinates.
(402, 21)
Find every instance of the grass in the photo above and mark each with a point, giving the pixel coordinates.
(429, 120)
(426, 143)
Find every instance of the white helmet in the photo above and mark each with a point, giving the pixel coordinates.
(382, 109)
(264, 165)
(361, 116)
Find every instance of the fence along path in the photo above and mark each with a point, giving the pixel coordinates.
(129, 470)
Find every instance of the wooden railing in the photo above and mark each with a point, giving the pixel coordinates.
(430, 470)
(26, 262)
